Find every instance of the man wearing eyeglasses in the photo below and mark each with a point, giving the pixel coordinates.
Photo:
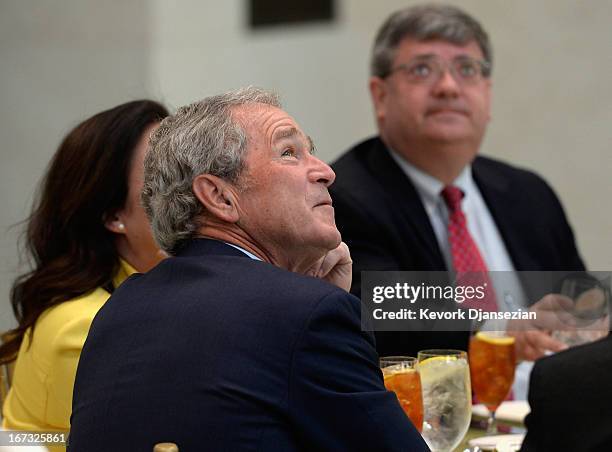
(417, 196)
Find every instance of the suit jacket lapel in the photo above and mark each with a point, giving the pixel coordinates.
(408, 202)
(504, 205)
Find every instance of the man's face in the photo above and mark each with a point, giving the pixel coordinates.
(284, 202)
(445, 111)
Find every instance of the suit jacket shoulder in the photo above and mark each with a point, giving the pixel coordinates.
(571, 388)
(529, 216)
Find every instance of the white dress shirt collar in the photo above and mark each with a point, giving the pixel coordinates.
(428, 187)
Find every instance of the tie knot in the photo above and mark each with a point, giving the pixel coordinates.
(452, 196)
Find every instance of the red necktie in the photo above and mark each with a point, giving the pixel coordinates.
(470, 267)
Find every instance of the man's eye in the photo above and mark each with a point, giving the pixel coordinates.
(288, 153)
(467, 69)
(421, 70)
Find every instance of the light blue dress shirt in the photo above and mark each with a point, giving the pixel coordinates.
(251, 255)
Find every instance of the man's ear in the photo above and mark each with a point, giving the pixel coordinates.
(378, 92)
(217, 197)
(114, 223)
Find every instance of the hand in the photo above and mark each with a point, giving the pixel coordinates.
(533, 337)
(533, 344)
(336, 267)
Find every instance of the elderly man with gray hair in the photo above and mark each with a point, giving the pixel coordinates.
(244, 339)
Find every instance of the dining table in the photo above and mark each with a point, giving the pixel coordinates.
(510, 420)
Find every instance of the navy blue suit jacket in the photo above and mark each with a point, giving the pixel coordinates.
(384, 223)
(569, 396)
(215, 351)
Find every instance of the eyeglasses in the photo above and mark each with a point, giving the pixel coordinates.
(428, 70)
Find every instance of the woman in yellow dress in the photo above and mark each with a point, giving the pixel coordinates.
(87, 233)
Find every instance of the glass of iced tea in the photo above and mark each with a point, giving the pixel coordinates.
(492, 363)
(402, 378)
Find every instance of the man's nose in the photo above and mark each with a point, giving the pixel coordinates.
(322, 172)
(446, 85)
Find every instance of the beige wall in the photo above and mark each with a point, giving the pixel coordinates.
(59, 63)
(64, 60)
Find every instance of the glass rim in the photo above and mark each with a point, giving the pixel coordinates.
(388, 361)
(441, 352)
(403, 362)
(491, 333)
(396, 358)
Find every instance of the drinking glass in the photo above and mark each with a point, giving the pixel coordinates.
(590, 313)
(402, 378)
(447, 397)
(492, 365)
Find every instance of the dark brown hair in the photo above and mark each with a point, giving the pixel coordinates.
(70, 249)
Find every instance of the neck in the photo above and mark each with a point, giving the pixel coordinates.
(444, 160)
(141, 261)
(299, 260)
(445, 172)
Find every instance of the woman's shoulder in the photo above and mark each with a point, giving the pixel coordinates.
(73, 315)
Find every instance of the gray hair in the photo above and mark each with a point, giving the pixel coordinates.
(423, 23)
(200, 138)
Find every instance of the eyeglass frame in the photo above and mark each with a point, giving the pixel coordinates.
(444, 65)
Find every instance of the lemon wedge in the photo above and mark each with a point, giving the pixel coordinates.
(439, 368)
(494, 339)
(434, 359)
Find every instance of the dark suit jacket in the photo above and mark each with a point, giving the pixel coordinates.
(215, 351)
(570, 395)
(384, 223)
